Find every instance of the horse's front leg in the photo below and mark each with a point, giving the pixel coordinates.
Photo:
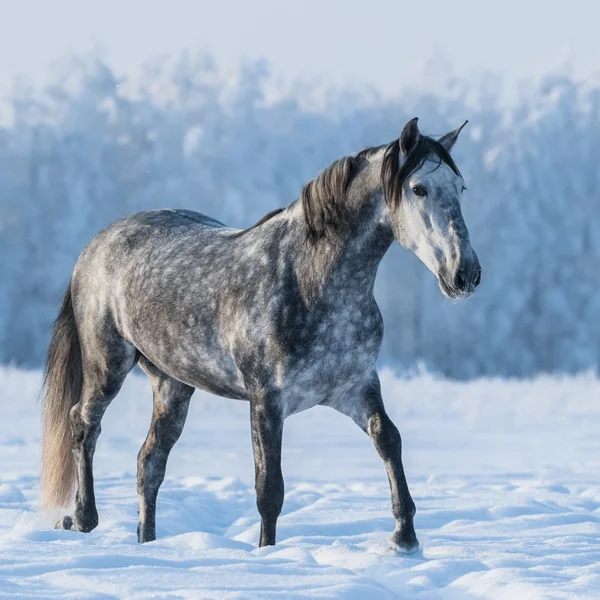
(171, 403)
(388, 442)
(368, 412)
(267, 431)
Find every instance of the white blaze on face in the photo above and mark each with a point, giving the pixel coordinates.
(431, 225)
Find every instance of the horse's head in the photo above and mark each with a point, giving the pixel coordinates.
(423, 187)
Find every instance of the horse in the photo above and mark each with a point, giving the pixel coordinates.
(281, 314)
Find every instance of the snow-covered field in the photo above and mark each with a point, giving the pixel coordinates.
(505, 475)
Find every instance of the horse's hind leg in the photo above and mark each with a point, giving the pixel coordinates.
(106, 362)
(171, 402)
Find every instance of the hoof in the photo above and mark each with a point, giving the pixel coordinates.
(76, 524)
(405, 548)
(405, 544)
(145, 534)
(65, 523)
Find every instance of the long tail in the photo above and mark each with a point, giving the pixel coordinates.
(63, 378)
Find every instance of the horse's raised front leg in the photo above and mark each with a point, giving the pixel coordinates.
(171, 403)
(368, 412)
(267, 430)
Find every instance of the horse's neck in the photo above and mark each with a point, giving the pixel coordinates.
(341, 268)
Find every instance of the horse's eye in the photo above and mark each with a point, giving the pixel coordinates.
(464, 188)
(419, 190)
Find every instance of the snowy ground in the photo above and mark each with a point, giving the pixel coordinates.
(505, 475)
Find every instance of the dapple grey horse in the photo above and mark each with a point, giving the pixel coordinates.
(281, 314)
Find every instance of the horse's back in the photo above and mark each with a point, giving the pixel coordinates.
(147, 246)
(171, 217)
(159, 224)
(147, 226)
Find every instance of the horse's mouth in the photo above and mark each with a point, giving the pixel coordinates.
(454, 293)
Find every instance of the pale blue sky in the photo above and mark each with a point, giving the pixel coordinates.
(377, 42)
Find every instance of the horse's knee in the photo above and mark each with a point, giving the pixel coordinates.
(153, 455)
(170, 411)
(151, 465)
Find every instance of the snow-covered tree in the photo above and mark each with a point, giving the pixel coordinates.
(92, 147)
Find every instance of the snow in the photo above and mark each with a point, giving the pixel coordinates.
(505, 475)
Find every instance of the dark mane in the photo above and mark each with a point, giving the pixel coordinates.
(264, 219)
(393, 175)
(324, 198)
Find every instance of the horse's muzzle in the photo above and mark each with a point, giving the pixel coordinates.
(465, 280)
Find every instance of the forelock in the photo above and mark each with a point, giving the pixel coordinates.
(393, 175)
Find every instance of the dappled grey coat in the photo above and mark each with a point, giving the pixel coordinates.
(281, 314)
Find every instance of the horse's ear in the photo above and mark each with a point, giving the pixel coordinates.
(409, 137)
(450, 138)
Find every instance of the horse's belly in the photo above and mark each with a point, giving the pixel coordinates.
(210, 370)
(213, 377)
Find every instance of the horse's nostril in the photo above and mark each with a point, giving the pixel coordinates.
(460, 280)
(477, 279)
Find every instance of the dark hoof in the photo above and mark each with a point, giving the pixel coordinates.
(145, 534)
(405, 543)
(76, 524)
(65, 523)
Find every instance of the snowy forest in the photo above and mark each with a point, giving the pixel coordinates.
(91, 146)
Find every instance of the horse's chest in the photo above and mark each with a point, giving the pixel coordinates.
(337, 357)
(343, 344)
